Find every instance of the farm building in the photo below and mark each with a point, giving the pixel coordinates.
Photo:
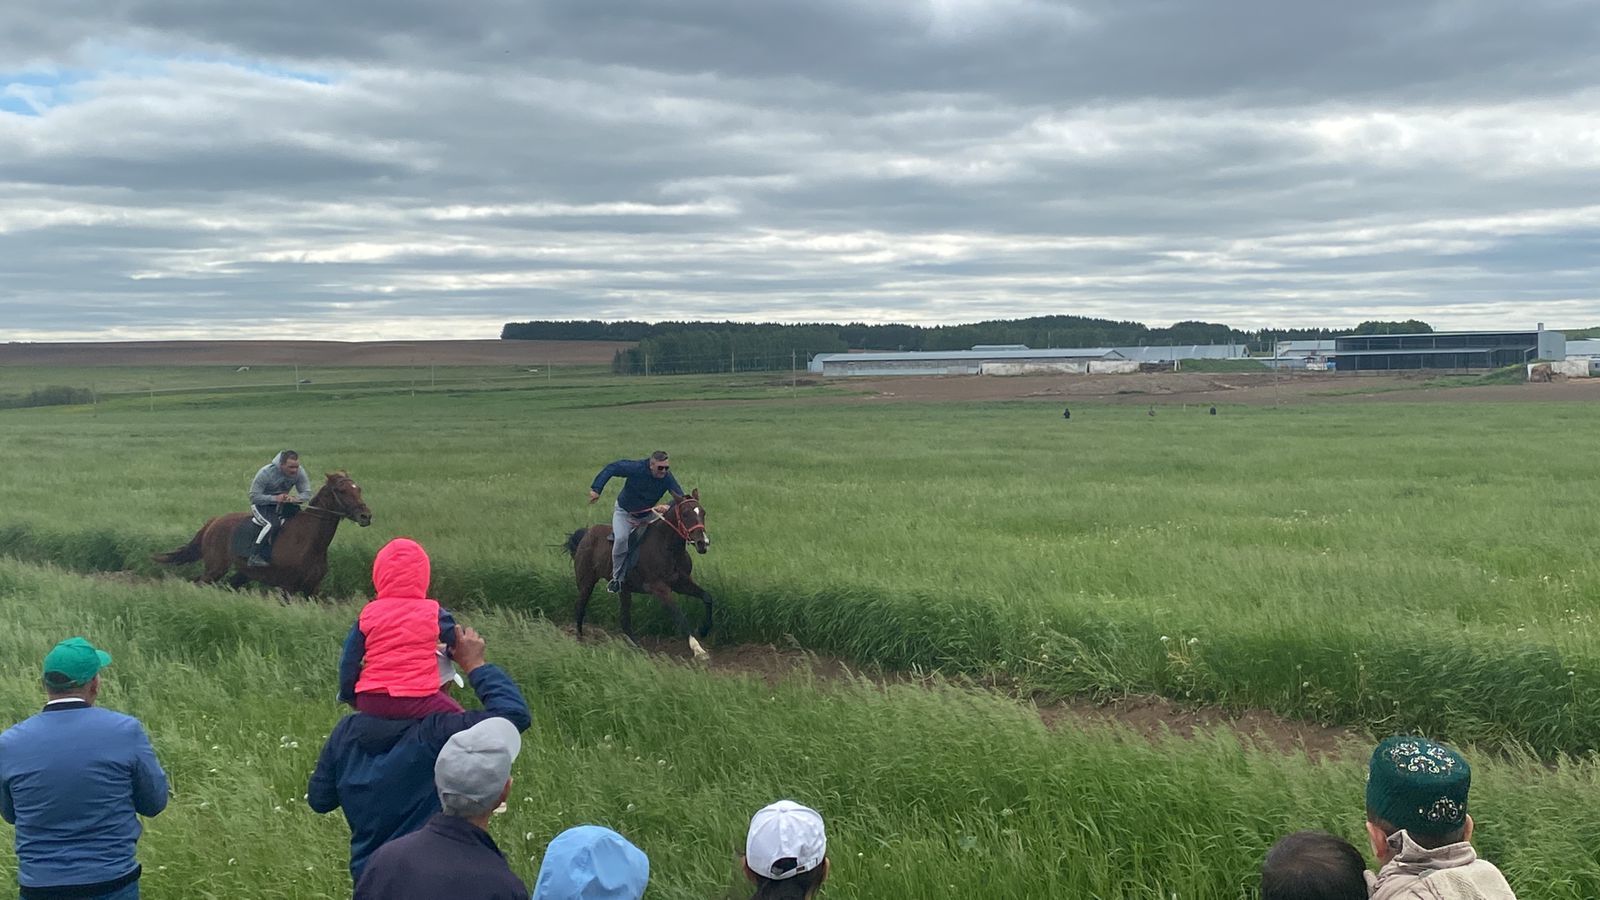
(966, 362)
(1014, 359)
(1186, 351)
(1446, 350)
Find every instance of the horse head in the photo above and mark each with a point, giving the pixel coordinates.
(688, 518)
(342, 495)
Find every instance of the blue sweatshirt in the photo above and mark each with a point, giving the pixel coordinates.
(381, 770)
(74, 780)
(641, 490)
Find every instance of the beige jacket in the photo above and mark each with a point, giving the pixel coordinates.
(1452, 872)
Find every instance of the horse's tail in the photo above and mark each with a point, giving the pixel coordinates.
(573, 540)
(186, 554)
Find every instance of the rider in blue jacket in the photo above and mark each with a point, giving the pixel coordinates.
(639, 501)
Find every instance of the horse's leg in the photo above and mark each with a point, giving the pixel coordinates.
(586, 585)
(664, 594)
(625, 616)
(238, 581)
(689, 589)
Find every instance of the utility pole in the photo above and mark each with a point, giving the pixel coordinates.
(647, 364)
(794, 377)
(297, 378)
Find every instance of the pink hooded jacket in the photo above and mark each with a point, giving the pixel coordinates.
(401, 625)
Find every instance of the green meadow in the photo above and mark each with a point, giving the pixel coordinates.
(1395, 567)
(928, 791)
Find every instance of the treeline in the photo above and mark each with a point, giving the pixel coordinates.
(54, 395)
(671, 348)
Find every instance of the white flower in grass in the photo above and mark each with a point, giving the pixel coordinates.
(1164, 639)
(232, 861)
(1193, 641)
(632, 807)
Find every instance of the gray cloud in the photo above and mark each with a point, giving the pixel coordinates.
(307, 169)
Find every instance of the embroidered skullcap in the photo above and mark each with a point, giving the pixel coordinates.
(1418, 785)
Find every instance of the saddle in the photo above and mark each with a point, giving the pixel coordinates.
(243, 542)
(635, 541)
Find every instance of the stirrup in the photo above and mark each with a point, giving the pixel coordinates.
(257, 562)
(614, 586)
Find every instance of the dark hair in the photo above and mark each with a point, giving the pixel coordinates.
(659, 456)
(1313, 865)
(796, 888)
(288, 455)
(1425, 841)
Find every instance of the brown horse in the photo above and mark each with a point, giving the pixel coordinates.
(300, 552)
(663, 566)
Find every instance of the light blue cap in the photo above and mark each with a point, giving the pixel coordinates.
(591, 863)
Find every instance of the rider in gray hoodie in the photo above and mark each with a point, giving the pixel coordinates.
(276, 483)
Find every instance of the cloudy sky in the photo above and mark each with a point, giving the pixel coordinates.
(304, 168)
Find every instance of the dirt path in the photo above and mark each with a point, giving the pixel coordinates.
(1152, 718)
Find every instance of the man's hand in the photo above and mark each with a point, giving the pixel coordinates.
(283, 498)
(593, 496)
(661, 509)
(468, 651)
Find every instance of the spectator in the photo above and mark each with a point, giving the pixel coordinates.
(74, 780)
(453, 855)
(387, 665)
(381, 770)
(1313, 865)
(786, 852)
(1420, 830)
(591, 863)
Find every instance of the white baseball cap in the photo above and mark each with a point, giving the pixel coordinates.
(785, 840)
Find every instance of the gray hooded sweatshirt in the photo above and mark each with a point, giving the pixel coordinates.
(1452, 872)
(270, 482)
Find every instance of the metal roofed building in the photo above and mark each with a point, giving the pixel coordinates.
(1183, 351)
(1457, 350)
(957, 362)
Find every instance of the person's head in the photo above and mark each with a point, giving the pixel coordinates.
(473, 771)
(1313, 865)
(289, 463)
(72, 669)
(401, 569)
(591, 863)
(1420, 787)
(659, 464)
(786, 851)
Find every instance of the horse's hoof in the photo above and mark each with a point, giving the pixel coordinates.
(632, 641)
(700, 654)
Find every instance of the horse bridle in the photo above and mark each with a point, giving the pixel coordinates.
(340, 513)
(676, 523)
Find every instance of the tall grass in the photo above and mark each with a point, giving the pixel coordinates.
(1402, 566)
(927, 792)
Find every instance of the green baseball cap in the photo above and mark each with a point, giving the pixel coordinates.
(1419, 785)
(73, 663)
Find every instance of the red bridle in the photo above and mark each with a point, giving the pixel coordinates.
(676, 520)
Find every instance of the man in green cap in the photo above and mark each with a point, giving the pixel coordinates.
(1420, 830)
(74, 780)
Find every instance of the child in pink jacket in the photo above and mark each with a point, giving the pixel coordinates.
(390, 664)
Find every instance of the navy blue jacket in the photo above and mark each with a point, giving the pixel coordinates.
(381, 770)
(448, 857)
(74, 779)
(641, 490)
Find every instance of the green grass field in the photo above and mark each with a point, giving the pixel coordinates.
(928, 792)
(1394, 567)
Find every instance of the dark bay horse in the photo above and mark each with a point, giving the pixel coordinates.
(663, 566)
(300, 552)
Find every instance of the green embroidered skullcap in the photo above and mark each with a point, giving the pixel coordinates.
(1418, 785)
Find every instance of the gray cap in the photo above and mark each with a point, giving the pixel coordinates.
(474, 766)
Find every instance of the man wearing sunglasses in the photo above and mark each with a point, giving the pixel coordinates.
(645, 481)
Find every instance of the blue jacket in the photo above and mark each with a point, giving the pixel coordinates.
(641, 490)
(448, 857)
(74, 780)
(381, 770)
